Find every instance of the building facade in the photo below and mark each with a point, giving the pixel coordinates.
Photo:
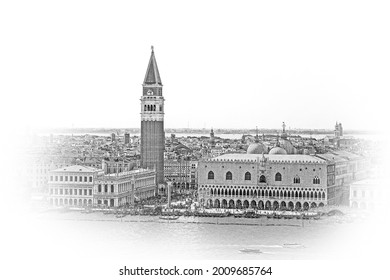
(124, 188)
(152, 121)
(263, 181)
(366, 194)
(72, 185)
(182, 174)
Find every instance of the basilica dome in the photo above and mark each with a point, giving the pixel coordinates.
(277, 151)
(257, 148)
(288, 146)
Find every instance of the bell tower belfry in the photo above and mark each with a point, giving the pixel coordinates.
(152, 121)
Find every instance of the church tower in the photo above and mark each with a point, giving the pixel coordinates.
(152, 121)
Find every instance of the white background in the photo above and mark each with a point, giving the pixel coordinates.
(224, 64)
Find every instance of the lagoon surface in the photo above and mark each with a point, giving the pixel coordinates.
(144, 237)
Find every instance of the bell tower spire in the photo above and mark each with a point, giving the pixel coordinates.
(152, 76)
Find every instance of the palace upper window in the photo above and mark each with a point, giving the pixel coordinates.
(278, 177)
(297, 180)
(248, 176)
(262, 179)
(210, 175)
(229, 175)
(316, 180)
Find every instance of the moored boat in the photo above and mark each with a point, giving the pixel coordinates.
(169, 218)
(292, 245)
(250, 251)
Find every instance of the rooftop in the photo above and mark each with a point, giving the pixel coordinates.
(332, 157)
(76, 168)
(274, 158)
(131, 172)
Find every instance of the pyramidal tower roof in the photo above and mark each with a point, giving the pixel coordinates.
(152, 76)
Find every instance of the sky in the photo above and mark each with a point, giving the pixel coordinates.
(224, 64)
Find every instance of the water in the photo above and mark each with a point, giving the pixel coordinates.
(195, 237)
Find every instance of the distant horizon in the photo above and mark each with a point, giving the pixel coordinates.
(194, 129)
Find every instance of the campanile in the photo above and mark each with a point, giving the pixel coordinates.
(152, 121)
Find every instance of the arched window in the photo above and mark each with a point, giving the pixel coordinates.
(229, 175)
(210, 175)
(297, 180)
(278, 177)
(248, 176)
(262, 179)
(316, 180)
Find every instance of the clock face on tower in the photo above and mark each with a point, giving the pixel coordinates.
(150, 92)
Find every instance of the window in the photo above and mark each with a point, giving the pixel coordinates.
(85, 179)
(99, 188)
(90, 179)
(61, 191)
(229, 175)
(210, 175)
(80, 178)
(112, 188)
(71, 178)
(297, 180)
(105, 188)
(316, 180)
(56, 178)
(61, 178)
(51, 178)
(248, 176)
(278, 177)
(66, 178)
(262, 179)
(85, 192)
(75, 178)
(71, 192)
(90, 192)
